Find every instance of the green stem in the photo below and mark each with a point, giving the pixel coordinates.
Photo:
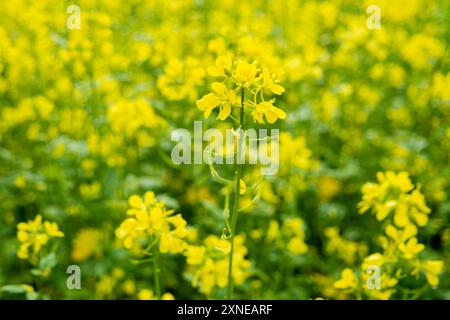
(157, 286)
(234, 213)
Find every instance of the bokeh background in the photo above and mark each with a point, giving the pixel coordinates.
(85, 122)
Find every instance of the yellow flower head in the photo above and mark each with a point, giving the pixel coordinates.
(270, 84)
(394, 194)
(348, 280)
(86, 244)
(269, 111)
(432, 269)
(245, 73)
(222, 97)
(243, 86)
(208, 264)
(35, 234)
(222, 63)
(150, 220)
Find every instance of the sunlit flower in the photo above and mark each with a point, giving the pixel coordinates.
(149, 219)
(35, 234)
(269, 111)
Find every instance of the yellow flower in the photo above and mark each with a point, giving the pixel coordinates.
(85, 244)
(267, 109)
(375, 259)
(268, 83)
(328, 187)
(418, 208)
(90, 191)
(52, 229)
(178, 225)
(33, 235)
(294, 153)
(216, 243)
(411, 248)
(297, 246)
(208, 264)
(195, 254)
(245, 73)
(405, 240)
(222, 63)
(346, 249)
(127, 232)
(136, 202)
(180, 79)
(146, 294)
(20, 182)
(222, 97)
(207, 103)
(401, 235)
(167, 296)
(386, 289)
(150, 220)
(348, 280)
(432, 269)
(170, 243)
(129, 287)
(118, 273)
(157, 220)
(273, 230)
(394, 193)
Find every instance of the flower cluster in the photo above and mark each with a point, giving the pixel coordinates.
(395, 193)
(236, 77)
(132, 118)
(399, 260)
(181, 78)
(150, 222)
(34, 235)
(349, 251)
(290, 236)
(208, 263)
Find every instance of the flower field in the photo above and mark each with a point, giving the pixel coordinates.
(196, 149)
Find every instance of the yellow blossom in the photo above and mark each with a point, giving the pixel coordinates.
(222, 63)
(270, 84)
(35, 234)
(245, 73)
(348, 280)
(269, 111)
(222, 97)
(432, 269)
(150, 220)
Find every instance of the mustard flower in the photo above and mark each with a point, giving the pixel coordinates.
(241, 78)
(35, 234)
(208, 263)
(150, 220)
(222, 97)
(394, 194)
(269, 111)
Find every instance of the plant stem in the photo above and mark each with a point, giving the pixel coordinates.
(157, 286)
(234, 213)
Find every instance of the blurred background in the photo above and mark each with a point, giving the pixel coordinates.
(88, 103)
